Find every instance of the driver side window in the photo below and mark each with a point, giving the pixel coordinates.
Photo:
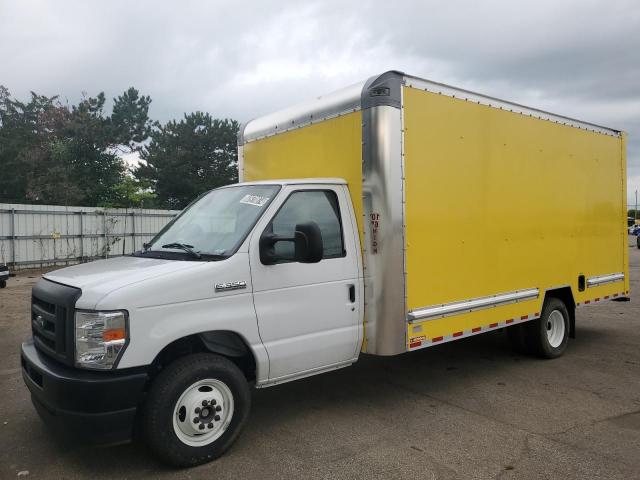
(319, 206)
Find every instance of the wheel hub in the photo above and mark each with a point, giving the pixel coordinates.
(203, 412)
(555, 328)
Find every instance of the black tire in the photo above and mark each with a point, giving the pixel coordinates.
(167, 388)
(638, 241)
(3, 283)
(536, 336)
(517, 340)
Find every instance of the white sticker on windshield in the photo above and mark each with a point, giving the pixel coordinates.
(256, 200)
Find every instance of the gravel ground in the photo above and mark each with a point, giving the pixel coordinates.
(467, 409)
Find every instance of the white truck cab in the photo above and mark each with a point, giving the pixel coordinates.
(269, 280)
(266, 274)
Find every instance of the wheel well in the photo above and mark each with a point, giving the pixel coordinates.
(566, 296)
(225, 343)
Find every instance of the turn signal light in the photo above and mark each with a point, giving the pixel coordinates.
(114, 334)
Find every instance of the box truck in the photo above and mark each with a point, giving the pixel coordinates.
(342, 238)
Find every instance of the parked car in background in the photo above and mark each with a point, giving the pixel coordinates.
(4, 275)
(634, 229)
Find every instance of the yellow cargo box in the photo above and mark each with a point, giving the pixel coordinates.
(471, 210)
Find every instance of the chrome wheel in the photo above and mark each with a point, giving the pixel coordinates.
(555, 329)
(203, 412)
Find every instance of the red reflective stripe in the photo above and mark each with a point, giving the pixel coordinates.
(436, 339)
(415, 344)
(457, 334)
(537, 314)
(587, 302)
(524, 317)
(493, 325)
(509, 321)
(615, 294)
(597, 299)
(476, 329)
(606, 297)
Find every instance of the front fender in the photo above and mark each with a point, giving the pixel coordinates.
(165, 309)
(153, 328)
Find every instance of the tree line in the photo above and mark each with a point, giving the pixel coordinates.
(56, 153)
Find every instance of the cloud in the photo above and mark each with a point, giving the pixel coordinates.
(243, 59)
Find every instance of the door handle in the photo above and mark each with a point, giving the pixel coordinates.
(352, 293)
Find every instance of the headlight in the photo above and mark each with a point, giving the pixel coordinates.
(100, 338)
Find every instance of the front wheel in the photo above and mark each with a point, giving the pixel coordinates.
(196, 409)
(548, 336)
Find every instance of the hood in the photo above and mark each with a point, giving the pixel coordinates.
(104, 276)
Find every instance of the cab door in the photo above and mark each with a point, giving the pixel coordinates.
(309, 314)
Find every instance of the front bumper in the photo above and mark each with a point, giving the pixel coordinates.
(92, 407)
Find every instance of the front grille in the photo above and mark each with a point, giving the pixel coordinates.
(52, 323)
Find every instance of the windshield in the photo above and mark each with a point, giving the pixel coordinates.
(217, 223)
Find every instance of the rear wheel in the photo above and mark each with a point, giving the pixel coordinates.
(548, 335)
(3, 283)
(195, 410)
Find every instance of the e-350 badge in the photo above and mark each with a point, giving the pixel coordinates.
(223, 287)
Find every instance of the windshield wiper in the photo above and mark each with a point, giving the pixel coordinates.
(185, 247)
(214, 256)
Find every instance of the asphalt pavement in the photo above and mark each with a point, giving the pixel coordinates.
(467, 409)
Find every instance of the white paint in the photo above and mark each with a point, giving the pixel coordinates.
(305, 317)
(296, 318)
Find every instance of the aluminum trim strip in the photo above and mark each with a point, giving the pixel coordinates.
(403, 188)
(450, 91)
(602, 279)
(335, 104)
(425, 342)
(456, 308)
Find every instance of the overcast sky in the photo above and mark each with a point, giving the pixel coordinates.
(241, 59)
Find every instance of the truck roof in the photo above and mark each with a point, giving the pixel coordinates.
(385, 89)
(297, 181)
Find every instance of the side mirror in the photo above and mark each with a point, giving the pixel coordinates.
(307, 241)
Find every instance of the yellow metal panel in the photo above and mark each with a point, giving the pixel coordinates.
(498, 201)
(331, 148)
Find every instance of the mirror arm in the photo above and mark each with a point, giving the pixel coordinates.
(278, 238)
(272, 238)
